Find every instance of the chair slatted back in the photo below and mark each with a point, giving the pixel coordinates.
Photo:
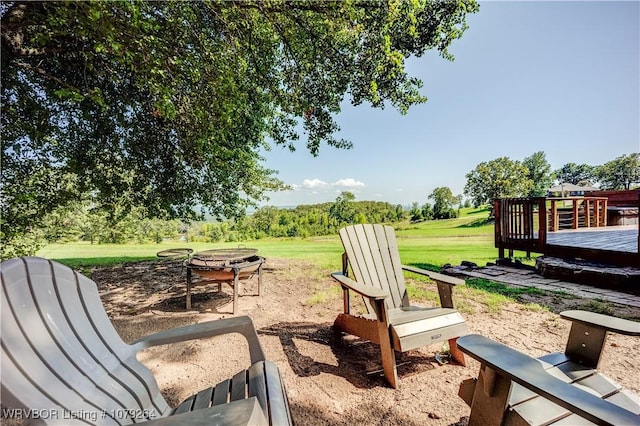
(60, 351)
(372, 251)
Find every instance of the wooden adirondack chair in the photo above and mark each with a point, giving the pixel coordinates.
(64, 363)
(560, 388)
(392, 322)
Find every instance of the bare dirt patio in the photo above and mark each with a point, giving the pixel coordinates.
(329, 381)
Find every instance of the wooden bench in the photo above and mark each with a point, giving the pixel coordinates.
(561, 388)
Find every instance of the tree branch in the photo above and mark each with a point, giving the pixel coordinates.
(48, 76)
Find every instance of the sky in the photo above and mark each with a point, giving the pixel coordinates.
(558, 77)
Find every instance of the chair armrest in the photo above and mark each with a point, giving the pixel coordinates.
(234, 413)
(445, 284)
(366, 291)
(530, 373)
(241, 324)
(445, 279)
(605, 322)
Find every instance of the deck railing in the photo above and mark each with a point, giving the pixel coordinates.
(577, 212)
(520, 224)
(523, 223)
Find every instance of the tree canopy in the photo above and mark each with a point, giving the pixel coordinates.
(505, 178)
(499, 178)
(166, 105)
(539, 172)
(620, 173)
(444, 202)
(575, 173)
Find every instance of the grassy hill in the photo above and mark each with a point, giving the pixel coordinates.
(429, 244)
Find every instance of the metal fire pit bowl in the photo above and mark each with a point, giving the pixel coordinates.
(227, 266)
(175, 252)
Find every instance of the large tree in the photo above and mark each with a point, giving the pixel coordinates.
(444, 202)
(539, 172)
(499, 178)
(575, 174)
(342, 210)
(621, 173)
(167, 104)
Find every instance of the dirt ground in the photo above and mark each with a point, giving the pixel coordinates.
(329, 380)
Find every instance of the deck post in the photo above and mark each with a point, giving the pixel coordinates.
(497, 217)
(542, 224)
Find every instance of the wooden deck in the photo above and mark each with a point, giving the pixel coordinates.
(613, 238)
(527, 224)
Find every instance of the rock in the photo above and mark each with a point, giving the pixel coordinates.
(583, 272)
(504, 262)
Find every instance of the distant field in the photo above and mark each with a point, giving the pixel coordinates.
(431, 243)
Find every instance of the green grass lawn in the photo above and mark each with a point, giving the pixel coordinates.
(322, 251)
(428, 244)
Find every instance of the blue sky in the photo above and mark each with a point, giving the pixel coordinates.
(558, 77)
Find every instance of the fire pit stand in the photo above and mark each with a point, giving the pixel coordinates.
(227, 266)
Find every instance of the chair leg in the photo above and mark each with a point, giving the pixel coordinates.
(388, 356)
(188, 295)
(490, 398)
(235, 290)
(389, 365)
(456, 353)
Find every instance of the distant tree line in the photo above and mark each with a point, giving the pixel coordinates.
(301, 221)
(83, 222)
(445, 206)
(499, 178)
(507, 178)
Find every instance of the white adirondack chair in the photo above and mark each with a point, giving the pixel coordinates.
(392, 322)
(64, 363)
(559, 388)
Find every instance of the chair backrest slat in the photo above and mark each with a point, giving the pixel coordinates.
(18, 376)
(128, 369)
(373, 255)
(107, 356)
(97, 359)
(393, 266)
(53, 322)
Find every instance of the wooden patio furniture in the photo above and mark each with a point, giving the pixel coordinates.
(63, 362)
(560, 388)
(371, 251)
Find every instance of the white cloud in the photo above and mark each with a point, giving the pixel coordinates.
(314, 183)
(349, 183)
(338, 186)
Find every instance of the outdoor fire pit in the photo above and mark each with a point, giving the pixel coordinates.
(224, 266)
